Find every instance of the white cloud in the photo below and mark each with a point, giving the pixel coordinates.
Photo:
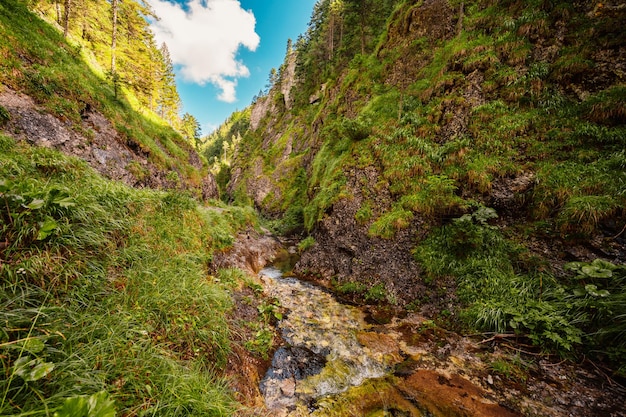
(204, 39)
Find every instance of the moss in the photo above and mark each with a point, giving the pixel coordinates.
(389, 223)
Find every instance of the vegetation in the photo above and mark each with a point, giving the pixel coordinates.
(454, 117)
(69, 77)
(92, 315)
(504, 289)
(424, 116)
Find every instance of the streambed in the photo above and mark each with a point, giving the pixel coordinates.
(324, 355)
(334, 363)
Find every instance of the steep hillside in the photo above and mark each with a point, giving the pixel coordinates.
(453, 160)
(56, 92)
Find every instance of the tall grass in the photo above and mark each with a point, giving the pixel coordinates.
(502, 291)
(105, 288)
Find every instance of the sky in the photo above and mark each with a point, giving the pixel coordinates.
(223, 50)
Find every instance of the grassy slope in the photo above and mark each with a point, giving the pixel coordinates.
(37, 60)
(106, 288)
(448, 123)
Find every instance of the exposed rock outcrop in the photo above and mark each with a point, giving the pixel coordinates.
(345, 251)
(95, 141)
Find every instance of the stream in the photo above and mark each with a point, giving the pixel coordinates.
(323, 355)
(334, 363)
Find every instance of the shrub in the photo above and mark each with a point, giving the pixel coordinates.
(5, 116)
(356, 129)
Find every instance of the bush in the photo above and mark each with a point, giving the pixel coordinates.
(356, 129)
(5, 116)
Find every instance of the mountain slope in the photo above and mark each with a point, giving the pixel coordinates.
(459, 161)
(54, 93)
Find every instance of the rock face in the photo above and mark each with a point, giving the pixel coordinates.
(99, 144)
(468, 77)
(345, 251)
(250, 252)
(289, 80)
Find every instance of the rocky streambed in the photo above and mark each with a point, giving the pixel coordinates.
(333, 359)
(333, 362)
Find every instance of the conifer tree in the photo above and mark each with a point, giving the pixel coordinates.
(191, 129)
(169, 101)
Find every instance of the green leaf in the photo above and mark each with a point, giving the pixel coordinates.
(593, 290)
(5, 186)
(33, 345)
(64, 201)
(602, 264)
(596, 272)
(36, 204)
(46, 228)
(96, 405)
(73, 407)
(574, 266)
(32, 369)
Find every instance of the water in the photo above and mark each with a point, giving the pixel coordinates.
(316, 323)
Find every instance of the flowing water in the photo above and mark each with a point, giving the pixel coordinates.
(324, 355)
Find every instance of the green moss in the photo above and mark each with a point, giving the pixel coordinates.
(364, 213)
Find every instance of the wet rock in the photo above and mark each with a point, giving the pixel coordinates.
(295, 362)
(289, 365)
(381, 346)
(451, 396)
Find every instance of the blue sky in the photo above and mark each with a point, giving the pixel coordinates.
(223, 50)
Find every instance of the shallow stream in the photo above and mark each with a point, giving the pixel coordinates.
(323, 355)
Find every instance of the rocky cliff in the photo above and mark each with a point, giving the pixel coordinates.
(97, 142)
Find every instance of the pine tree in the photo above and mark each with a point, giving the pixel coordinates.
(169, 102)
(191, 129)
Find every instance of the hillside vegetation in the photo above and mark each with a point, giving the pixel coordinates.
(451, 158)
(106, 293)
(71, 78)
(110, 299)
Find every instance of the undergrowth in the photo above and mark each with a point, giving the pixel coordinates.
(105, 293)
(503, 289)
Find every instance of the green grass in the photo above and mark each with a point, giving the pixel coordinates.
(502, 290)
(106, 288)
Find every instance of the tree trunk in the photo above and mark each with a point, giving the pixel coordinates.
(363, 11)
(459, 25)
(58, 8)
(331, 37)
(114, 6)
(114, 76)
(66, 22)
